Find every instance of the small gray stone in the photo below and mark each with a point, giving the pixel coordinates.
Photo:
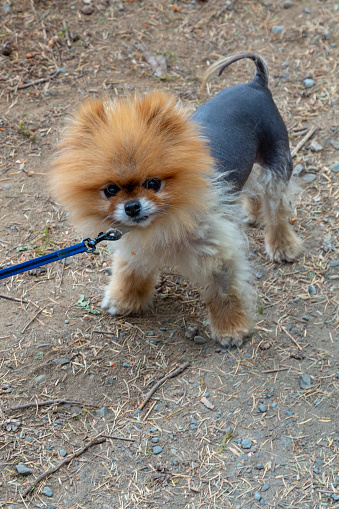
(327, 35)
(7, 186)
(297, 170)
(104, 411)
(262, 408)
(23, 470)
(335, 167)
(305, 381)
(257, 496)
(157, 449)
(288, 4)
(265, 487)
(334, 263)
(63, 453)
(316, 147)
(7, 8)
(309, 83)
(312, 290)
(335, 144)
(155, 440)
(278, 29)
(39, 378)
(47, 491)
(309, 177)
(246, 443)
(191, 332)
(259, 466)
(62, 361)
(307, 10)
(125, 365)
(200, 340)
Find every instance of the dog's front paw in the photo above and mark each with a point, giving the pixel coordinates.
(235, 339)
(120, 303)
(109, 304)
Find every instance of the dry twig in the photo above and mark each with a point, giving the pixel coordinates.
(174, 373)
(303, 141)
(15, 299)
(65, 462)
(48, 402)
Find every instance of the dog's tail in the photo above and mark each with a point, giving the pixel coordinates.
(261, 74)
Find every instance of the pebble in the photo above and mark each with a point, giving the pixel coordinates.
(288, 4)
(278, 29)
(62, 361)
(257, 496)
(155, 440)
(7, 8)
(246, 443)
(7, 186)
(305, 381)
(39, 378)
(307, 10)
(262, 408)
(63, 453)
(87, 9)
(104, 411)
(309, 83)
(259, 466)
(335, 167)
(334, 263)
(125, 365)
(265, 487)
(23, 470)
(191, 332)
(157, 449)
(47, 491)
(327, 35)
(312, 290)
(297, 170)
(309, 177)
(200, 340)
(316, 147)
(335, 144)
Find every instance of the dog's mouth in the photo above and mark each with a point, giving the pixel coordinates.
(140, 219)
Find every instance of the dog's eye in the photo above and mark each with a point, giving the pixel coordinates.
(111, 190)
(153, 184)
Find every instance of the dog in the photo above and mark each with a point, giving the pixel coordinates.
(171, 182)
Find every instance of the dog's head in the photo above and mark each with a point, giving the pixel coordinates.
(132, 163)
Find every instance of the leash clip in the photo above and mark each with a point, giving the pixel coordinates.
(109, 235)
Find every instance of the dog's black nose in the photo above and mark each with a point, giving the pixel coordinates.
(133, 208)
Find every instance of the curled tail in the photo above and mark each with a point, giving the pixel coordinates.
(261, 74)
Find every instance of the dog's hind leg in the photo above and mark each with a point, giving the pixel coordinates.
(281, 242)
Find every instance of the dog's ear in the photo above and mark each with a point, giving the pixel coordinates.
(161, 111)
(90, 115)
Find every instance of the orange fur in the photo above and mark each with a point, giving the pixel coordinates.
(124, 142)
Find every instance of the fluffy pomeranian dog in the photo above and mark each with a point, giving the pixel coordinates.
(170, 182)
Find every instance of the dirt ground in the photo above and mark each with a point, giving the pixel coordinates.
(249, 427)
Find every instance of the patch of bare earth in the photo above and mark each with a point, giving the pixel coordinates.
(237, 428)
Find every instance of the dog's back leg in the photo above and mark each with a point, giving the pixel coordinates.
(281, 242)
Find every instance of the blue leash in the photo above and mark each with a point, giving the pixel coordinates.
(88, 245)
